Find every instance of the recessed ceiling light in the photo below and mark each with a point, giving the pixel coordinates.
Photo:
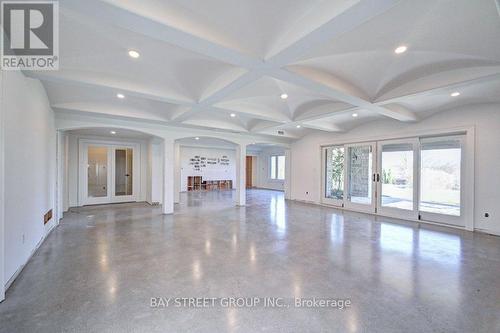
(298, 126)
(355, 115)
(455, 94)
(284, 96)
(197, 138)
(134, 54)
(233, 115)
(120, 96)
(112, 132)
(400, 49)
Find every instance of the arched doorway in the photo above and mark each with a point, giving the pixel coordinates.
(206, 171)
(98, 165)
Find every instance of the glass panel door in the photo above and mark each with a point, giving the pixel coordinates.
(360, 177)
(108, 173)
(396, 177)
(441, 178)
(334, 175)
(97, 179)
(123, 171)
(96, 173)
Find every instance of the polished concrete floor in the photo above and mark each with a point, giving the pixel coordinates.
(99, 269)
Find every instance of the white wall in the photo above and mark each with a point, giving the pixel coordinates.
(73, 162)
(30, 168)
(211, 172)
(306, 157)
(263, 161)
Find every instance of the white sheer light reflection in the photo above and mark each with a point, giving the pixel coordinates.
(232, 323)
(208, 247)
(440, 253)
(442, 248)
(112, 287)
(277, 215)
(196, 270)
(352, 320)
(297, 286)
(252, 252)
(396, 260)
(396, 238)
(337, 229)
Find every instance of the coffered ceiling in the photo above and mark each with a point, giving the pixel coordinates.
(229, 64)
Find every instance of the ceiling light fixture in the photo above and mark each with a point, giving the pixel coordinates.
(197, 138)
(284, 96)
(455, 94)
(233, 115)
(112, 132)
(133, 54)
(355, 115)
(298, 126)
(400, 49)
(120, 96)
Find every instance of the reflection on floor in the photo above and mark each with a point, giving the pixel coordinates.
(99, 270)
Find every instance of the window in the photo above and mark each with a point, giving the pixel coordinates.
(277, 167)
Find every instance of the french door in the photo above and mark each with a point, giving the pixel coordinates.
(442, 175)
(360, 166)
(397, 172)
(417, 178)
(108, 173)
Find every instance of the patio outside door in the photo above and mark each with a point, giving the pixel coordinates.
(361, 177)
(397, 174)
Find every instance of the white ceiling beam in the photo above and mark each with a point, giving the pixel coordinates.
(325, 127)
(232, 87)
(353, 17)
(199, 108)
(326, 90)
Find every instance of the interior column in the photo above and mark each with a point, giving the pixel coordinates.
(177, 173)
(288, 174)
(241, 155)
(168, 176)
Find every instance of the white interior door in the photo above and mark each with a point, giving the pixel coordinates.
(360, 177)
(124, 174)
(397, 178)
(108, 173)
(96, 176)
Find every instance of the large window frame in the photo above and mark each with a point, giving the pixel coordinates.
(466, 218)
(275, 162)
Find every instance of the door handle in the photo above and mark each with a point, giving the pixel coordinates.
(127, 175)
(378, 177)
(373, 177)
